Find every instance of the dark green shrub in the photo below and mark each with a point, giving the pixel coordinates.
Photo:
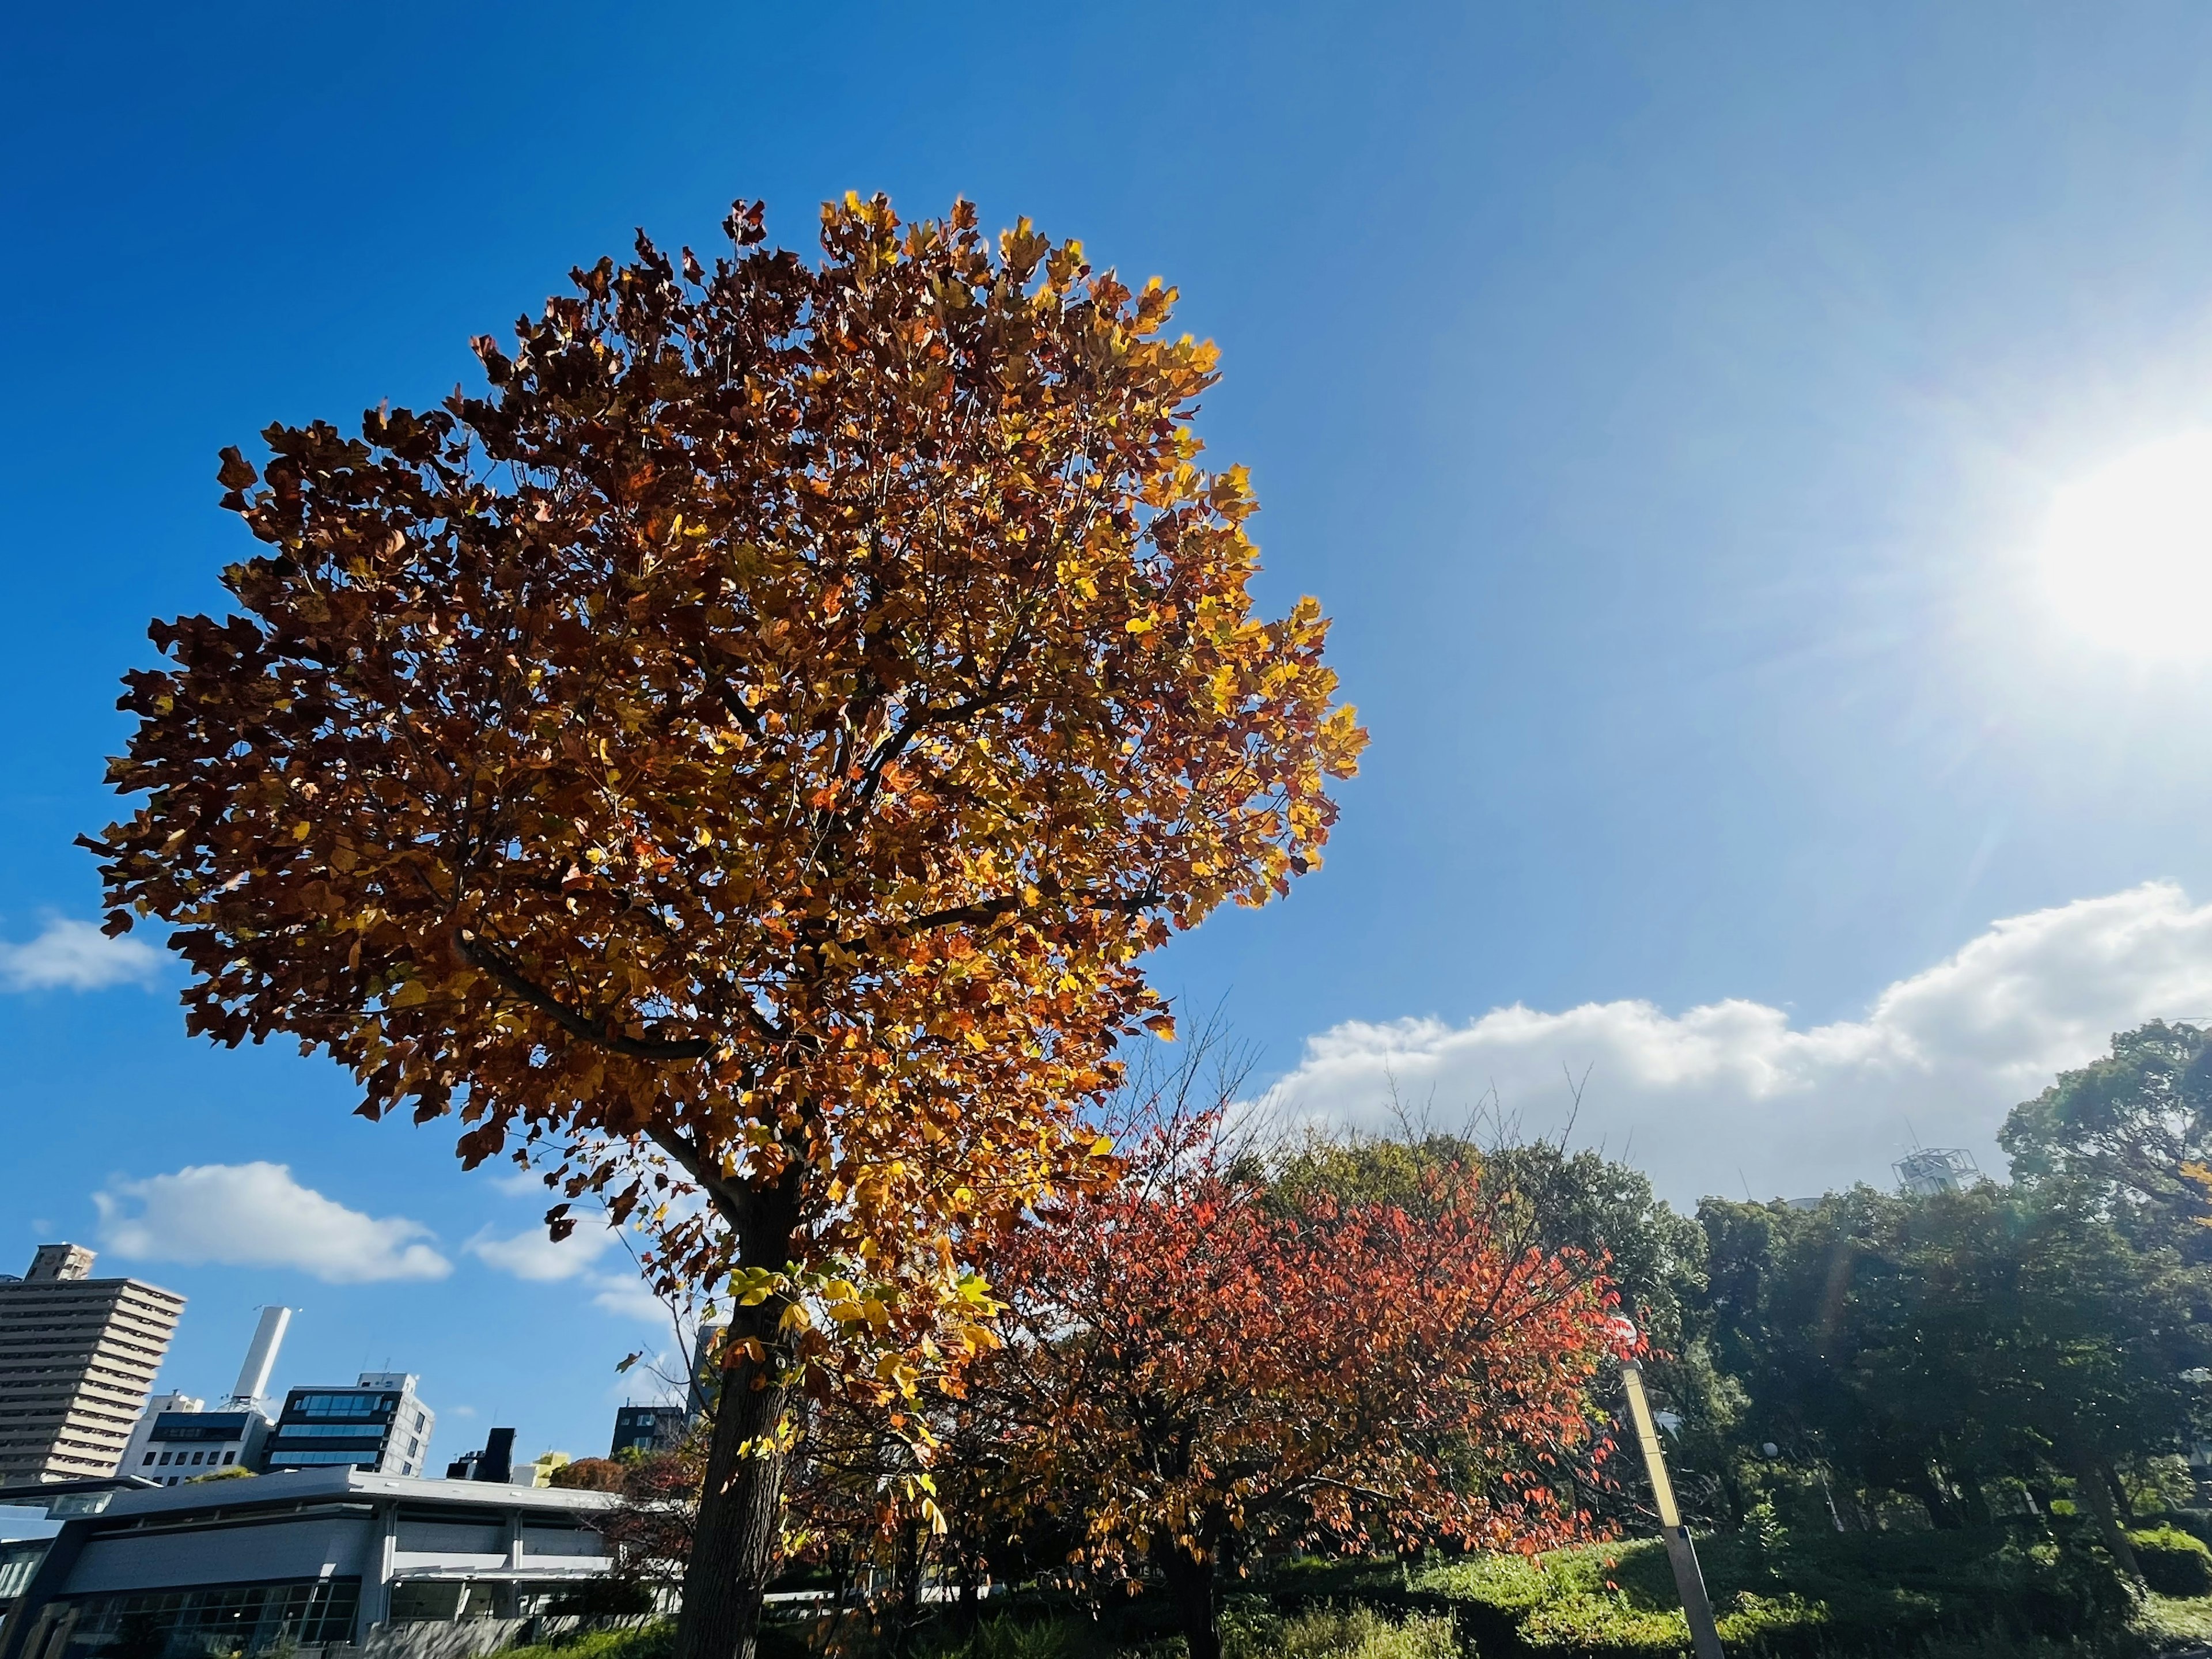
(2172, 1562)
(2198, 1523)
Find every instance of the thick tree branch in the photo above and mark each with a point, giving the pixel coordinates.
(600, 1032)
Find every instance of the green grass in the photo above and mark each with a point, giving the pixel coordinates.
(1996, 1594)
(653, 1641)
(1812, 1595)
(1327, 1632)
(1022, 1638)
(2170, 1620)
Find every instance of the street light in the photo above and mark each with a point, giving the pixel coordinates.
(1682, 1554)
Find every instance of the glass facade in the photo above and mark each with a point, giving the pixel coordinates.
(378, 1407)
(299, 1460)
(213, 1623)
(172, 1427)
(370, 1427)
(19, 1559)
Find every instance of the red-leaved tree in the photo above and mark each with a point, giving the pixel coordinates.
(1198, 1369)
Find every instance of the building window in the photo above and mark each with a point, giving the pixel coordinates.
(365, 1432)
(149, 1458)
(242, 1619)
(340, 1404)
(228, 1457)
(165, 1459)
(363, 1459)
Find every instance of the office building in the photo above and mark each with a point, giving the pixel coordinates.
(642, 1429)
(180, 1446)
(77, 1360)
(705, 1372)
(377, 1426)
(179, 1439)
(495, 1462)
(134, 1450)
(304, 1559)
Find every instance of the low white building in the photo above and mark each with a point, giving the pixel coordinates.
(302, 1558)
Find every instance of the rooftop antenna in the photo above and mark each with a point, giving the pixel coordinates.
(1747, 1198)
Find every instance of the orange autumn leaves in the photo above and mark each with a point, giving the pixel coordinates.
(748, 751)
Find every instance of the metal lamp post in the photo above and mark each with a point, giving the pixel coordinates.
(1682, 1554)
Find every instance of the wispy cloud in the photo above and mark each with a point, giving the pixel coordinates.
(1732, 1094)
(532, 1255)
(75, 955)
(257, 1215)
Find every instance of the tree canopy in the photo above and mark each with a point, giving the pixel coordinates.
(745, 750)
(2122, 1127)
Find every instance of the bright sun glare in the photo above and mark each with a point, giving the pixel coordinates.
(2127, 556)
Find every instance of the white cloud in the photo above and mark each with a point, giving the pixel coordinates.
(75, 955)
(532, 1255)
(256, 1215)
(1695, 1098)
(629, 1296)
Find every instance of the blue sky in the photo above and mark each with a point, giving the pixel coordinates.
(1666, 400)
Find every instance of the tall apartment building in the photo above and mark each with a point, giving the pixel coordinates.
(77, 1360)
(377, 1426)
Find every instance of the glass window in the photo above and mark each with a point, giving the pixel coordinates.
(341, 1405)
(364, 1460)
(246, 1619)
(149, 1458)
(165, 1458)
(351, 1434)
(229, 1455)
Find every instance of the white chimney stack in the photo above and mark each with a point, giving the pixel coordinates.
(261, 1356)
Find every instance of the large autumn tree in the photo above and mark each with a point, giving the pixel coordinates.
(745, 751)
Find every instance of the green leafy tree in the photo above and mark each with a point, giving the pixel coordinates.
(1928, 1345)
(2123, 1128)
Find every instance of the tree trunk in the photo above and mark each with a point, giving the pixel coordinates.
(971, 1565)
(1191, 1594)
(2119, 1490)
(1976, 1496)
(740, 1508)
(1942, 1513)
(2089, 1486)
